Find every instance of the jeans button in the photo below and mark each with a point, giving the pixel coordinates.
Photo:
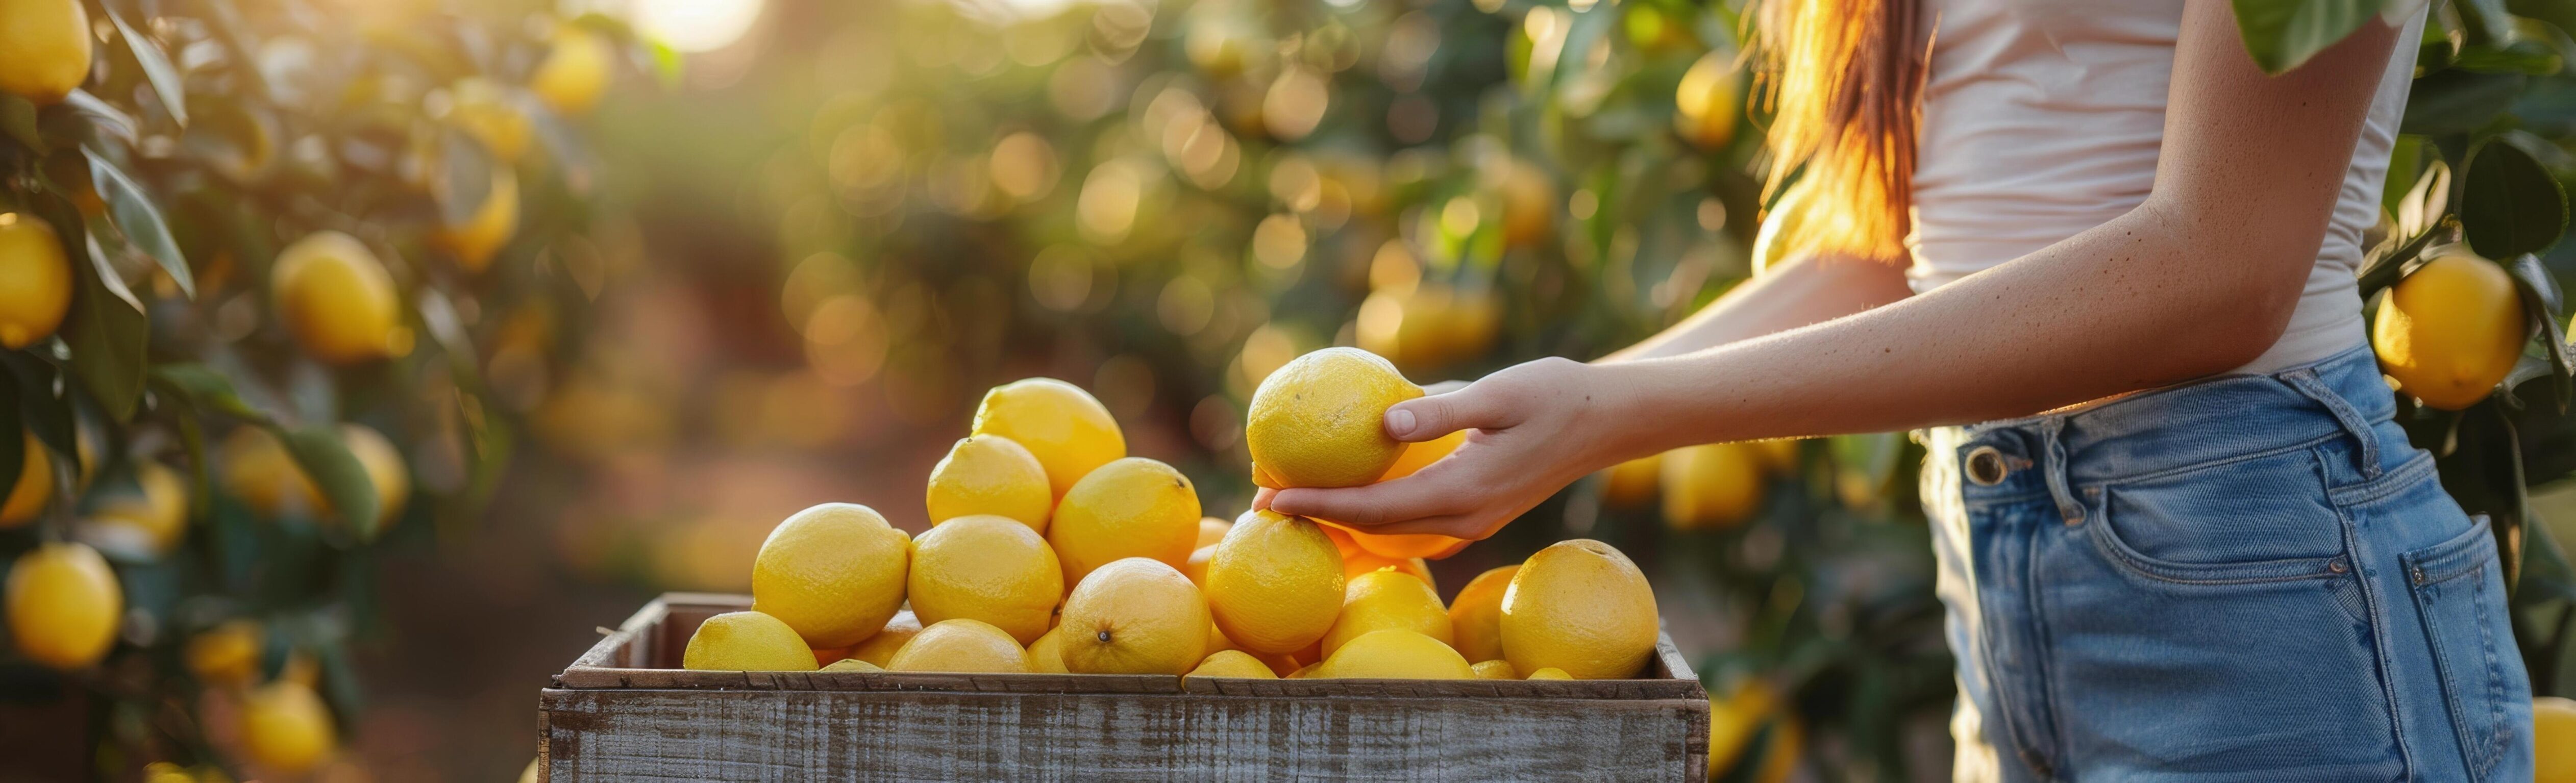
(1986, 466)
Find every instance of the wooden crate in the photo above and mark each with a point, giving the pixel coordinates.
(624, 712)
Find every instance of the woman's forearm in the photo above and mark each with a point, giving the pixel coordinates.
(1809, 290)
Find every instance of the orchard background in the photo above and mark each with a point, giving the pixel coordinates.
(652, 274)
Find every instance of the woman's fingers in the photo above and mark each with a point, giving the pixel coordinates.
(1412, 497)
(1425, 418)
(1261, 498)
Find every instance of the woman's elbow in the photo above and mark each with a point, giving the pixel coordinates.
(2244, 317)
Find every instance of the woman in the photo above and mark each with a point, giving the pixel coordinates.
(2186, 542)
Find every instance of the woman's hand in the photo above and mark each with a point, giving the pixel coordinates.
(1537, 427)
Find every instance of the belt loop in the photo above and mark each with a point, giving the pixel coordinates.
(2053, 465)
(2305, 380)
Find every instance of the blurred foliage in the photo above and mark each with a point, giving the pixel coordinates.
(361, 408)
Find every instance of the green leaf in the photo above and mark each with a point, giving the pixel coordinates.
(140, 220)
(43, 402)
(2545, 572)
(2530, 58)
(2542, 304)
(465, 178)
(18, 119)
(2427, 202)
(103, 117)
(2384, 269)
(2453, 100)
(2509, 203)
(2281, 34)
(342, 479)
(108, 335)
(2486, 21)
(206, 388)
(156, 68)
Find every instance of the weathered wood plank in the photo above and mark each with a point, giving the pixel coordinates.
(660, 735)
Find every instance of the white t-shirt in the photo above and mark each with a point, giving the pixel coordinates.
(2042, 118)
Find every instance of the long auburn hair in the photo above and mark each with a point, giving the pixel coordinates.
(1844, 79)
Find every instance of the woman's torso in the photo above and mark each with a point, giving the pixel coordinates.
(2043, 118)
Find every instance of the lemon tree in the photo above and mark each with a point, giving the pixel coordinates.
(259, 271)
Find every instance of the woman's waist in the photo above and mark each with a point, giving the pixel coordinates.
(2197, 423)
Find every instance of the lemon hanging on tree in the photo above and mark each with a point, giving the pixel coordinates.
(34, 486)
(336, 298)
(575, 71)
(40, 278)
(2451, 330)
(44, 49)
(63, 603)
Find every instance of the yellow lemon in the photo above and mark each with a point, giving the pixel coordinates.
(990, 474)
(1380, 600)
(1732, 721)
(1708, 99)
(1132, 507)
(385, 470)
(1549, 673)
(1405, 545)
(1068, 430)
(1046, 655)
(1134, 616)
(157, 509)
(226, 654)
(1783, 234)
(2451, 330)
(44, 49)
(1780, 751)
(1710, 486)
(31, 259)
(2553, 723)
(1580, 606)
(35, 484)
(987, 568)
(1496, 670)
(1632, 484)
(1318, 420)
(961, 645)
(1304, 672)
(1363, 561)
(1529, 204)
(1476, 616)
(259, 470)
(336, 299)
(286, 727)
(483, 110)
(852, 665)
(63, 605)
(747, 641)
(166, 772)
(880, 647)
(1778, 455)
(1233, 663)
(1275, 583)
(1196, 567)
(575, 71)
(484, 233)
(834, 572)
(1396, 654)
(1212, 530)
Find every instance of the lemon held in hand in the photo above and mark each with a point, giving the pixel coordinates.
(1318, 420)
(1133, 507)
(1134, 616)
(1582, 607)
(990, 474)
(1063, 426)
(986, 568)
(40, 277)
(1275, 583)
(2451, 330)
(63, 603)
(834, 572)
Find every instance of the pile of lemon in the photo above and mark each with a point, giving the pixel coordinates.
(1052, 551)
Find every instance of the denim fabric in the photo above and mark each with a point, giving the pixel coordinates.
(2252, 577)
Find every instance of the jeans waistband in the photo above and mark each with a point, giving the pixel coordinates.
(2186, 425)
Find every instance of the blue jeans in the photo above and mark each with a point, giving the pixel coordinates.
(2251, 577)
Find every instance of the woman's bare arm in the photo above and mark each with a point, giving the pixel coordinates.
(2200, 278)
(1806, 290)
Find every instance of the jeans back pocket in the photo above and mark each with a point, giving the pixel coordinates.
(2458, 590)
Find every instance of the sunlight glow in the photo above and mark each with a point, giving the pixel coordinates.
(696, 25)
